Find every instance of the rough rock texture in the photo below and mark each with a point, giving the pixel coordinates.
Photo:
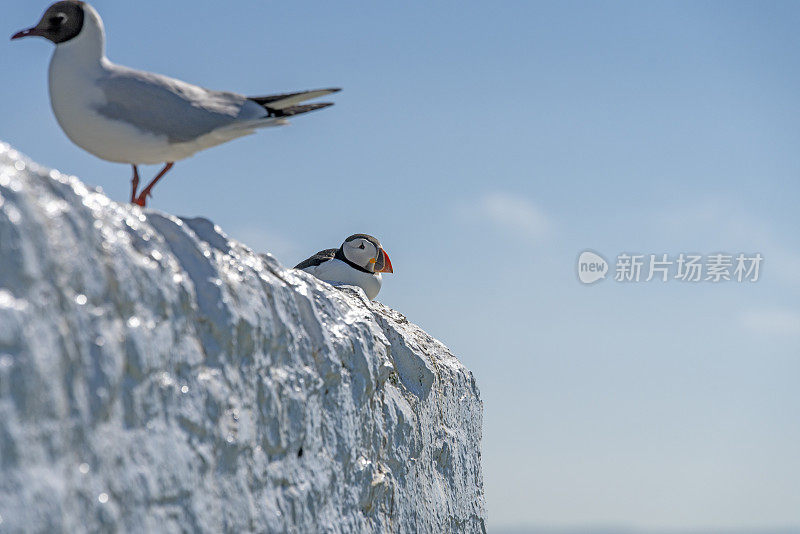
(156, 376)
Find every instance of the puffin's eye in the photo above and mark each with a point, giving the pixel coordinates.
(362, 246)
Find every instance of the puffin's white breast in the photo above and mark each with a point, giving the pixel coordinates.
(336, 271)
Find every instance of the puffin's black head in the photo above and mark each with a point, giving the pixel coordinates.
(366, 252)
(61, 22)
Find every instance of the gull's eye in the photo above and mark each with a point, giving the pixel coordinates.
(58, 20)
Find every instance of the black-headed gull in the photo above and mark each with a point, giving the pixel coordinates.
(131, 116)
(358, 262)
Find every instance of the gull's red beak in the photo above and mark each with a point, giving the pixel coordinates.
(26, 33)
(387, 264)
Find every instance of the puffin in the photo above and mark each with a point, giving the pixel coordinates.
(358, 262)
(124, 115)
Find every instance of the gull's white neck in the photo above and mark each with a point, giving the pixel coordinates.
(75, 68)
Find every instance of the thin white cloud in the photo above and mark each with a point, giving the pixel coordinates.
(513, 213)
(772, 322)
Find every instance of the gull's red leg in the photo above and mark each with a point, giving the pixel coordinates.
(134, 183)
(146, 192)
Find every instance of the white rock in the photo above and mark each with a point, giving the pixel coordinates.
(156, 376)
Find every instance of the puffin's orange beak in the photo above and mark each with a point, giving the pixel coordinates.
(387, 264)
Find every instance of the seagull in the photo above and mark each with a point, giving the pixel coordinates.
(131, 116)
(359, 262)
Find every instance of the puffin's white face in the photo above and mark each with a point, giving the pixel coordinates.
(362, 252)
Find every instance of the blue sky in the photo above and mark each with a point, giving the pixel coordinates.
(487, 145)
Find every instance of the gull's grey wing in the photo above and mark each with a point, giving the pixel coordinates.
(320, 257)
(291, 111)
(285, 100)
(164, 106)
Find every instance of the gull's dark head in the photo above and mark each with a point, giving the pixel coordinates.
(63, 21)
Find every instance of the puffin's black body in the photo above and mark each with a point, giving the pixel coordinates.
(317, 259)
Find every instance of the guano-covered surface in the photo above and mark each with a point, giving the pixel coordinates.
(158, 376)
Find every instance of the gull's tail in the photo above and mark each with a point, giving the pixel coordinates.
(286, 105)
